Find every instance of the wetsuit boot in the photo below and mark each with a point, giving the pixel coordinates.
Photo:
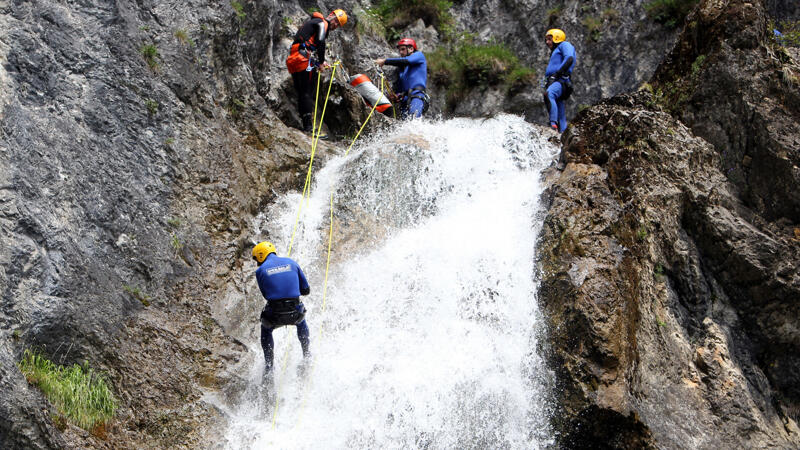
(308, 127)
(307, 123)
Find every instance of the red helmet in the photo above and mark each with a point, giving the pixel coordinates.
(407, 41)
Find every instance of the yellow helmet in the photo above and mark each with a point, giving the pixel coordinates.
(341, 16)
(558, 35)
(262, 250)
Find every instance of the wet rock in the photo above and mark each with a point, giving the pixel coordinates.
(661, 290)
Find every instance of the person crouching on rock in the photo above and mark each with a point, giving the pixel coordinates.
(281, 282)
(557, 83)
(412, 81)
(302, 64)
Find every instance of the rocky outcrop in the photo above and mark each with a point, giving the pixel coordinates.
(670, 285)
(618, 47)
(139, 139)
(737, 88)
(127, 187)
(647, 258)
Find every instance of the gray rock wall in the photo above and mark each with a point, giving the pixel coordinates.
(617, 47)
(126, 196)
(670, 282)
(128, 185)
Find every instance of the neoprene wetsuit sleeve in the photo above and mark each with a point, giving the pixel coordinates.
(562, 71)
(321, 35)
(305, 289)
(399, 62)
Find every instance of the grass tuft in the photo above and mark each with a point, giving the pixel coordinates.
(183, 37)
(150, 53)
(398, 14)
(137, 294)
(81, 395)
(467, 64)
(671, 13)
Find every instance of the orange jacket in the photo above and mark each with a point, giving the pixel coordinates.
(309, 38)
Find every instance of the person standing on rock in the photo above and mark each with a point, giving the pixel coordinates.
(281, 282)
(557, 83)
(304, 66)
(412, 81)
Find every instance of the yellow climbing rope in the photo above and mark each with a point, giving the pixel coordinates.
(314, 140)
(327, 266)
(306, 191)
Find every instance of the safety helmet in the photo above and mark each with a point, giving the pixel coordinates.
(341, 16)
(407, 41)
(262, 250)
(558, 35)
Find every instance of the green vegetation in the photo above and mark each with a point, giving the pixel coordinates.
(176, 243)
(169, 141)
(671, 13)
(238, 8)
(466, 64)
(553, 14)
(641, 234)
(235, 107)
(697, 64)
(312, 9)
(370, 23)
(152, 106)
(395, 15)
(611, 15)
(150, 53)
(174, 222)
(137, 294)
(594, 27)
(183, 37)
(16, 334)
(790, 29)
(658, 272)
(79, 394)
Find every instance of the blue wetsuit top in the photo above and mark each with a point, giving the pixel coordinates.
(280, 278)
(414, 72)
(562, 60)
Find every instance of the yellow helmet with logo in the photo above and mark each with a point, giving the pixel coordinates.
(262, 250)
(341, 16)
(558, 35)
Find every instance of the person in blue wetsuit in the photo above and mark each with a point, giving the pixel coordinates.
(281, 282)
(558, 86)
(412, 81)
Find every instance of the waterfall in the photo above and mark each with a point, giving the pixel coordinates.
(427, 337)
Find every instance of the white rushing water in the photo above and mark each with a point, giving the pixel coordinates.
(427, 337)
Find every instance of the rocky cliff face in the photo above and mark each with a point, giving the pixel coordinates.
(669, 256)
(139, 139)
(617, 48)
(127, 185)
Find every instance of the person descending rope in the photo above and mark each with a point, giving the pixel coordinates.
(281, 282)
(557, 83)
(412, 80)
(304, 66)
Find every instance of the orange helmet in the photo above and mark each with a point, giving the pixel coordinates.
(340, 15)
